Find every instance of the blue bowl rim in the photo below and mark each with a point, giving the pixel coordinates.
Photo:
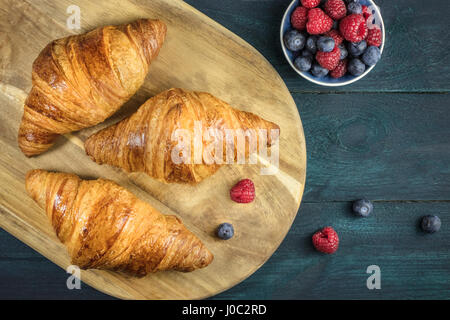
(322, 83)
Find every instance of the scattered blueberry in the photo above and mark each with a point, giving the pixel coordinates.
(363, 207)
(344, 52)
(356, 67)
(294, 40)
(357, 48)
(318, 71)
(371, 56)
(354, 7)
(225, 231)
(311, 44)
(325, 44)
(431, 223)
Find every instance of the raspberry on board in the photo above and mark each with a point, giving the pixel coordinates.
(243, 191)
(326, 240)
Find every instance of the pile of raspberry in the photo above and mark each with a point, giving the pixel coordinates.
(332, 38)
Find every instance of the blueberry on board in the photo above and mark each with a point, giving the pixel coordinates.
(363, 207)
(318, 71)
(354, 7)
(311, 44)
(225, 231)
(357, 48)
(356, 67)
(371, 56)
(303, 63)
(430, 223)
(325, 44)
(294, 40)
(344, 52)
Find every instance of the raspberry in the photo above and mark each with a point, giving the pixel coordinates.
(326, 240)
(336, 36)
(340, 70)
(336, 9)
(299, 18)
(366, 12)
(353, 28)
(374, 37)
(243, 191)
(318, 22)
(310, 3)
(329, 60)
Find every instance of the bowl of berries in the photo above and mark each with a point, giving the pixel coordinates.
(332, 42)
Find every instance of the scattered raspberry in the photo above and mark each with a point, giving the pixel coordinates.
(353, 28)
(366, 12)
(374, 37)
(326, 240)
(318, 22)
(243, 191)
(340, 70)
(310, 3)
(329, 60)
(336, 9)
(299, 18)
(337, 37)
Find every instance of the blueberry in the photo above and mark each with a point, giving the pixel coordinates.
(357, 48)
(356, 67)
(294, 40)
(344, 52)
(311, 44)
(354, 7)
(371, 56)
(225, 231)
(431, 223)
(318, 71)
(303, 63)
(363, 207)
(307, 53)
(325, 44)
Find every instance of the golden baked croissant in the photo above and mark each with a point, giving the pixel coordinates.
(144, 141)
(81, 80)
(104, 226)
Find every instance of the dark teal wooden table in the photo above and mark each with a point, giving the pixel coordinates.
(385, 137)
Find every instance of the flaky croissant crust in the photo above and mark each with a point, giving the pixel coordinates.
(143, 142)
(104, 226)
(81, 80)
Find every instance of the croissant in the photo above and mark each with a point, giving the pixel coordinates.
(104, 226)
(81, 80)
(144, 141)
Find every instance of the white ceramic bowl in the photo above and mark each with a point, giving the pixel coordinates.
(327, 80)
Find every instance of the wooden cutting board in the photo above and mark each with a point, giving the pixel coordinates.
(198, 54)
